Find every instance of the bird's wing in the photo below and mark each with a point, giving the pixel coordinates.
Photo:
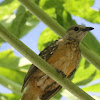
(45, 54)
(31, 71)
(49, 94)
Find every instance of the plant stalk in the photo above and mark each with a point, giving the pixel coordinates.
(90, 56)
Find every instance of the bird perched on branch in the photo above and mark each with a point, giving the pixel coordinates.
(63, 54)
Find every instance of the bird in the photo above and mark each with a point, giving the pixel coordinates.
(64, 55)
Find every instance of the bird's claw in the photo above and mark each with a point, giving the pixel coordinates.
(60, 72)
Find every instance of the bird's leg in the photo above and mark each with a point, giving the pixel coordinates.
(60, 72)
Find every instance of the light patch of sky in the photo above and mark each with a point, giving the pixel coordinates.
(1, 1)
(4, 90)
(96, 5)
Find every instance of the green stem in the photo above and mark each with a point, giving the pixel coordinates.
(42, 65)
(10, 85)
(90, 56)
(34, 9)
(40, 14)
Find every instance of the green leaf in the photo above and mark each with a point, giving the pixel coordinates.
(56, 6)
(7, 21)
(75, 7)
(93, 88)
(67, 20)
(15, 76)
(9, 61)
(9, 8)
(90, 50)
(56, 10)
(91, 43)
(87, 80)
(85, 73)
(46, 37)
(23, 22)
(19, 23)
(12, 70)
(9, 96)
(46, 4)
(5, 2)
(36, 1)
(15, 87)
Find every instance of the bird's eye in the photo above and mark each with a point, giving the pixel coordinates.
(76, 28)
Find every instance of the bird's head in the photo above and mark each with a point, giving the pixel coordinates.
(78, 32)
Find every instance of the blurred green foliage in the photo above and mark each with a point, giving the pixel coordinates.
(20, 21)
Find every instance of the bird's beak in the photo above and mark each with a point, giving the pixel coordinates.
(87, 29)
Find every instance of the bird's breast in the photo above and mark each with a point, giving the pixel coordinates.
(66, 57)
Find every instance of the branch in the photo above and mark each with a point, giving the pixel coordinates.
(57, 28)
(42, 65)
(90, 56)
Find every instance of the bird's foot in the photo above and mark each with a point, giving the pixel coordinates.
(60, 72)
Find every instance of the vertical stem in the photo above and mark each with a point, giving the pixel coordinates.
(90, 56)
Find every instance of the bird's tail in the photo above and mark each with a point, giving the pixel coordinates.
(31, 94)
